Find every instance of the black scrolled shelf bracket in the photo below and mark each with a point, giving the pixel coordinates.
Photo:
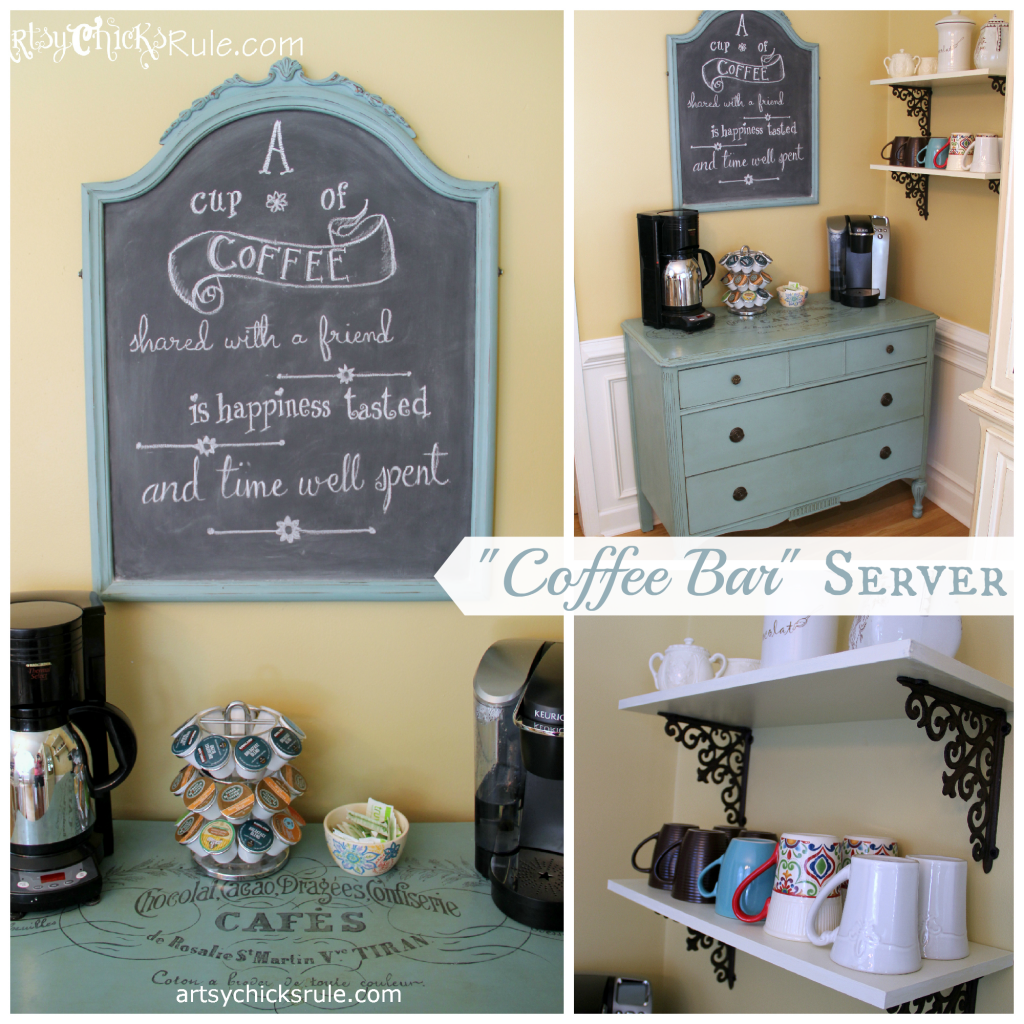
(973, 755)
(998, 83)
(723, 957)
(919, 104)
(725, 757)
(915, 186)
(993, 184)
(961, 999)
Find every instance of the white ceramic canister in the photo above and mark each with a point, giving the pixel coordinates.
(201, 797)
(252, 757)
(284, 745)
(235, 802)
(939, 632)
(954, 42)
(255, 839)
(188, 829)
(217, 840)
(286, 832)
(214, 756)
(788, 638)
(268, 801)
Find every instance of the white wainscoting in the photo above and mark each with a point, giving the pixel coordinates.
(953, 445)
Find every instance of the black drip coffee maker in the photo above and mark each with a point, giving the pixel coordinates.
(520, 715)
(61, 823)
(671, 284)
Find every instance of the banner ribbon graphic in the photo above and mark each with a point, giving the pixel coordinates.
(361, 252)
(770, 70)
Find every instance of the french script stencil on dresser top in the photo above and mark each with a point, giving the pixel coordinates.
(304, 291)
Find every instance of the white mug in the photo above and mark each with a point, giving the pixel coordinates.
(901, 65)
(737, 665)
(984, 154)
(787, 638)
(928, 66)
(878, 932)
(685, 663)
(942, 907)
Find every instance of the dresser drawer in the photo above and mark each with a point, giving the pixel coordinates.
(781, 482)
(817, 363)
(735, 434)
(735, 379)
(886, 349)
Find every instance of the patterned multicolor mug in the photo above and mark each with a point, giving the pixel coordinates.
(958, 143)
(875, 846)
(804, 862)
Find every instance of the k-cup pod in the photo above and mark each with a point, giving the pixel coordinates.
(286, 832)
(284, 745)
(252, 757)
(183, 778)
(276, 784)
(289, 724)
(268, 801)
(201, 797)
(265, 720)
(299, 819)
(181, 728)
(235, 802)
(188, 829)
(294, 780)
(217, 840)
(213, 755)
(186, 742)
(255, 839)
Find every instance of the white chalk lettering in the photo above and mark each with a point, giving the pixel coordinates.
(392, 477)
(141, 342)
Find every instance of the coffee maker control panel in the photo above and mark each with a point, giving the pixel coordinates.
(59, 878)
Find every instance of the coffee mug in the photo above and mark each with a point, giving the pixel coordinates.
(934, 155)
(896, 154)
(738, 665)
(928, 66)
(787, 638)
(984, 154)
(739, 860)
(878, 932)
(915, 148)
(859, 846)
(697, 849)
(958, 143)
(804, 863)
(942, 907)
(665, 837)
(901, 65)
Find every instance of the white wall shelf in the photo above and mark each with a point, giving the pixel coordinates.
(900, 168)
(813, 962)
(946, 78)
(850, 686)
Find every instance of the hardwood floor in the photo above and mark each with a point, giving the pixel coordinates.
(883, 513)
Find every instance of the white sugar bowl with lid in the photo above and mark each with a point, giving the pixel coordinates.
(685, 663)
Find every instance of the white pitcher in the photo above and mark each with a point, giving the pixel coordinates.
(685, 663)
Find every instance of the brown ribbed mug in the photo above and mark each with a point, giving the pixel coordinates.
(697, 849)
(669, 835)
(749, 834)
(732, 831)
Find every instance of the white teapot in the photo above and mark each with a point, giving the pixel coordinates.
(993, 47)
(685, 663)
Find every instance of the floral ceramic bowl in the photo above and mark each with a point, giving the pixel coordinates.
(792, 295)
(376, 858)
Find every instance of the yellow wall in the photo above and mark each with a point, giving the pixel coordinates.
(384, 690)
(623, 166)
(879, 779)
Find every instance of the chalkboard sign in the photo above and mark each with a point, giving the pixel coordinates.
(290, 318)
(743, 93)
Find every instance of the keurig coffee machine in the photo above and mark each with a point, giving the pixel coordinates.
(61, 825)
(858, 259)
(520, 715)
(671, 285)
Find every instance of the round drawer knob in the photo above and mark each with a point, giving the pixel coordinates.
(739, 494)
(889, 349)
(887, 399)
(735, 378)
(736, 435)
(885, 452)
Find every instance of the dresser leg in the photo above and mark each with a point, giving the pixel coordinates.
(646, 512)
(918, 487)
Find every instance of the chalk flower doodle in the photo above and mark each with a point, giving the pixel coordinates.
(360, 252)
(206, 445)
(288, 530)
(346, 375)
(277, 201)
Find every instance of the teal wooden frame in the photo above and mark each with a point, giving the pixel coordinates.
(678, 199)
(285, 88)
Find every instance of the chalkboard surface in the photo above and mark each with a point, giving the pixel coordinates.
(291, 365)
(743, 91)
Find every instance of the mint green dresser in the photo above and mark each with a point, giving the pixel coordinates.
(759, 420)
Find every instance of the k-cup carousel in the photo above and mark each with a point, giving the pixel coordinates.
(238, 785)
